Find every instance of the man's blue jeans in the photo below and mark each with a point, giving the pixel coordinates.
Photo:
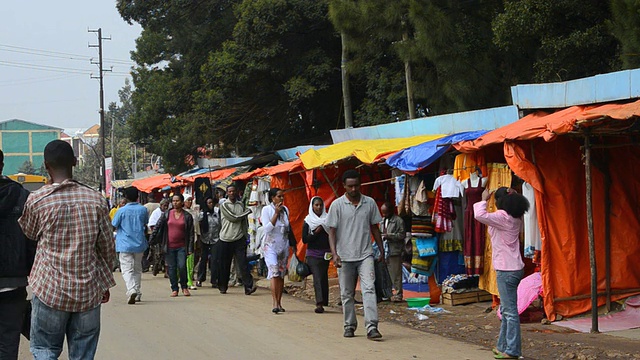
(348, 276)
(49, 328)
(509, 340)
(177, 265)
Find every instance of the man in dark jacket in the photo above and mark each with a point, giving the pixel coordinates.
(16, 258)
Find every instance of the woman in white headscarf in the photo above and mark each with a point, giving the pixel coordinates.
(315, 235)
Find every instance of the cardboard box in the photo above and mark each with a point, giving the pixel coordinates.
(466, 297)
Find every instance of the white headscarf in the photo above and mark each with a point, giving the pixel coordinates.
(314, 220)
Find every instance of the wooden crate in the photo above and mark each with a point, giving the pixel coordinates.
(466, 297)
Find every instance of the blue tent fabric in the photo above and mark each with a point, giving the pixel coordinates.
(420, 156)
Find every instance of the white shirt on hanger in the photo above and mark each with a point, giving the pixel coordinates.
(451, 188)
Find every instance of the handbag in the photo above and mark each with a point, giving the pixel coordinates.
(303, 269)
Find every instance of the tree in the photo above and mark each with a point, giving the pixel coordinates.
(555, 40)
(625, 26)
(27, 168)
(232, 76)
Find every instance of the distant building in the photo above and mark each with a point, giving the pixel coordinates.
(24, 141)
(81, 141)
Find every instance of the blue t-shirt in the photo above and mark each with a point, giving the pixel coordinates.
(130, 221)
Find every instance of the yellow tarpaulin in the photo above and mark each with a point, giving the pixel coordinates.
(366, 151)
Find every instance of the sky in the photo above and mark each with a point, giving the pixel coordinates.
(45, 61)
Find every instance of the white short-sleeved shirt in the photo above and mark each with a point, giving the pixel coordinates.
(353, 226)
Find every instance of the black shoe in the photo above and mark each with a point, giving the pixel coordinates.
(349, 333)
(275, 310)
(215, 286)
(282, 309)
(223, 291)
(252, 290)
(319, 310)
(132, 299)
(374, 334)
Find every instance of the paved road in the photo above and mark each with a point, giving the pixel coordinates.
(209, 325)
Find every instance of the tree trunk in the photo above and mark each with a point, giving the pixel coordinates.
(407, 73)
(346, 92)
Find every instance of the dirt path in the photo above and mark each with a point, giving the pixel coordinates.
(234, 326)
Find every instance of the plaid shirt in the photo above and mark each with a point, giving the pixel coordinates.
(75, 245)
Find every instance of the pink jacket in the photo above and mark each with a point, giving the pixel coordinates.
(505, 237)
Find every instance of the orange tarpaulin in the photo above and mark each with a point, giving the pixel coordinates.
(548, 126)
(556, 171)
(212, 175)
(154, 182)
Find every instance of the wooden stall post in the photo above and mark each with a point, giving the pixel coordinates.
(592, 246)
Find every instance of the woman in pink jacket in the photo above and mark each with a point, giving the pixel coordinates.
(505, 226)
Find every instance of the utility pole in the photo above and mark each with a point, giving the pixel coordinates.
(103, 180)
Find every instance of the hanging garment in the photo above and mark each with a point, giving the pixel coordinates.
(451, 188)
(399, 185)
(474, 231)
(443, 213)
(465, 164)
(422, 265)
(499, 176)
(532, 237)
(453, 240)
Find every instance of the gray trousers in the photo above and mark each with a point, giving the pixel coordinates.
(348, 275)
(394, 264)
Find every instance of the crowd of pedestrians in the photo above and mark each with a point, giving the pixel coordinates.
(70, 271)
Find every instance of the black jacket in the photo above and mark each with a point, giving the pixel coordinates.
(16, 251)
(315, 241)
(161, 236)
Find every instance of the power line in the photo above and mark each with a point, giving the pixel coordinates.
(59, 69)
(36, 80)
(46, 68)
(56, 54)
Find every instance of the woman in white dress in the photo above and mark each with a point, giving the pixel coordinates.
(275, 222)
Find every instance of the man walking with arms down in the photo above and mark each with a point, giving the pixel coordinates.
(233, 241)
(71, 275)
(352, 219)
(130, 223)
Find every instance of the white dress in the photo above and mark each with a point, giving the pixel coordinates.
(276, 241)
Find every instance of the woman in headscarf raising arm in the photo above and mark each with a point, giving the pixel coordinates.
(315, 235)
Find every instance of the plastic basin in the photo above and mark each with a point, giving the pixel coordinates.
(417, 302)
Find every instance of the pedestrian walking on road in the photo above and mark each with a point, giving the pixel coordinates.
(504, 226)
(174, 232)
(392, 231)
(275, 224)
(352, 219)
(191, 259)
(16, 258)
(210, 229)
(233, 241)
(156, 254)
(314, 234)
(131, 243)
(71, 275)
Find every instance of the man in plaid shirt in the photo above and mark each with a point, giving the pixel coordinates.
(71, 275)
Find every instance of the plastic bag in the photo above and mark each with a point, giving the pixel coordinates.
(293, 271)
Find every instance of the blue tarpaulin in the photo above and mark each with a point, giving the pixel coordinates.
(420, 156)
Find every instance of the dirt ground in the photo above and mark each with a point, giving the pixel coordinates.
(478, 324)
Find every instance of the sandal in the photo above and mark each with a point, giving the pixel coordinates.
(501, 355)
(174, 293)
(186, 292)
